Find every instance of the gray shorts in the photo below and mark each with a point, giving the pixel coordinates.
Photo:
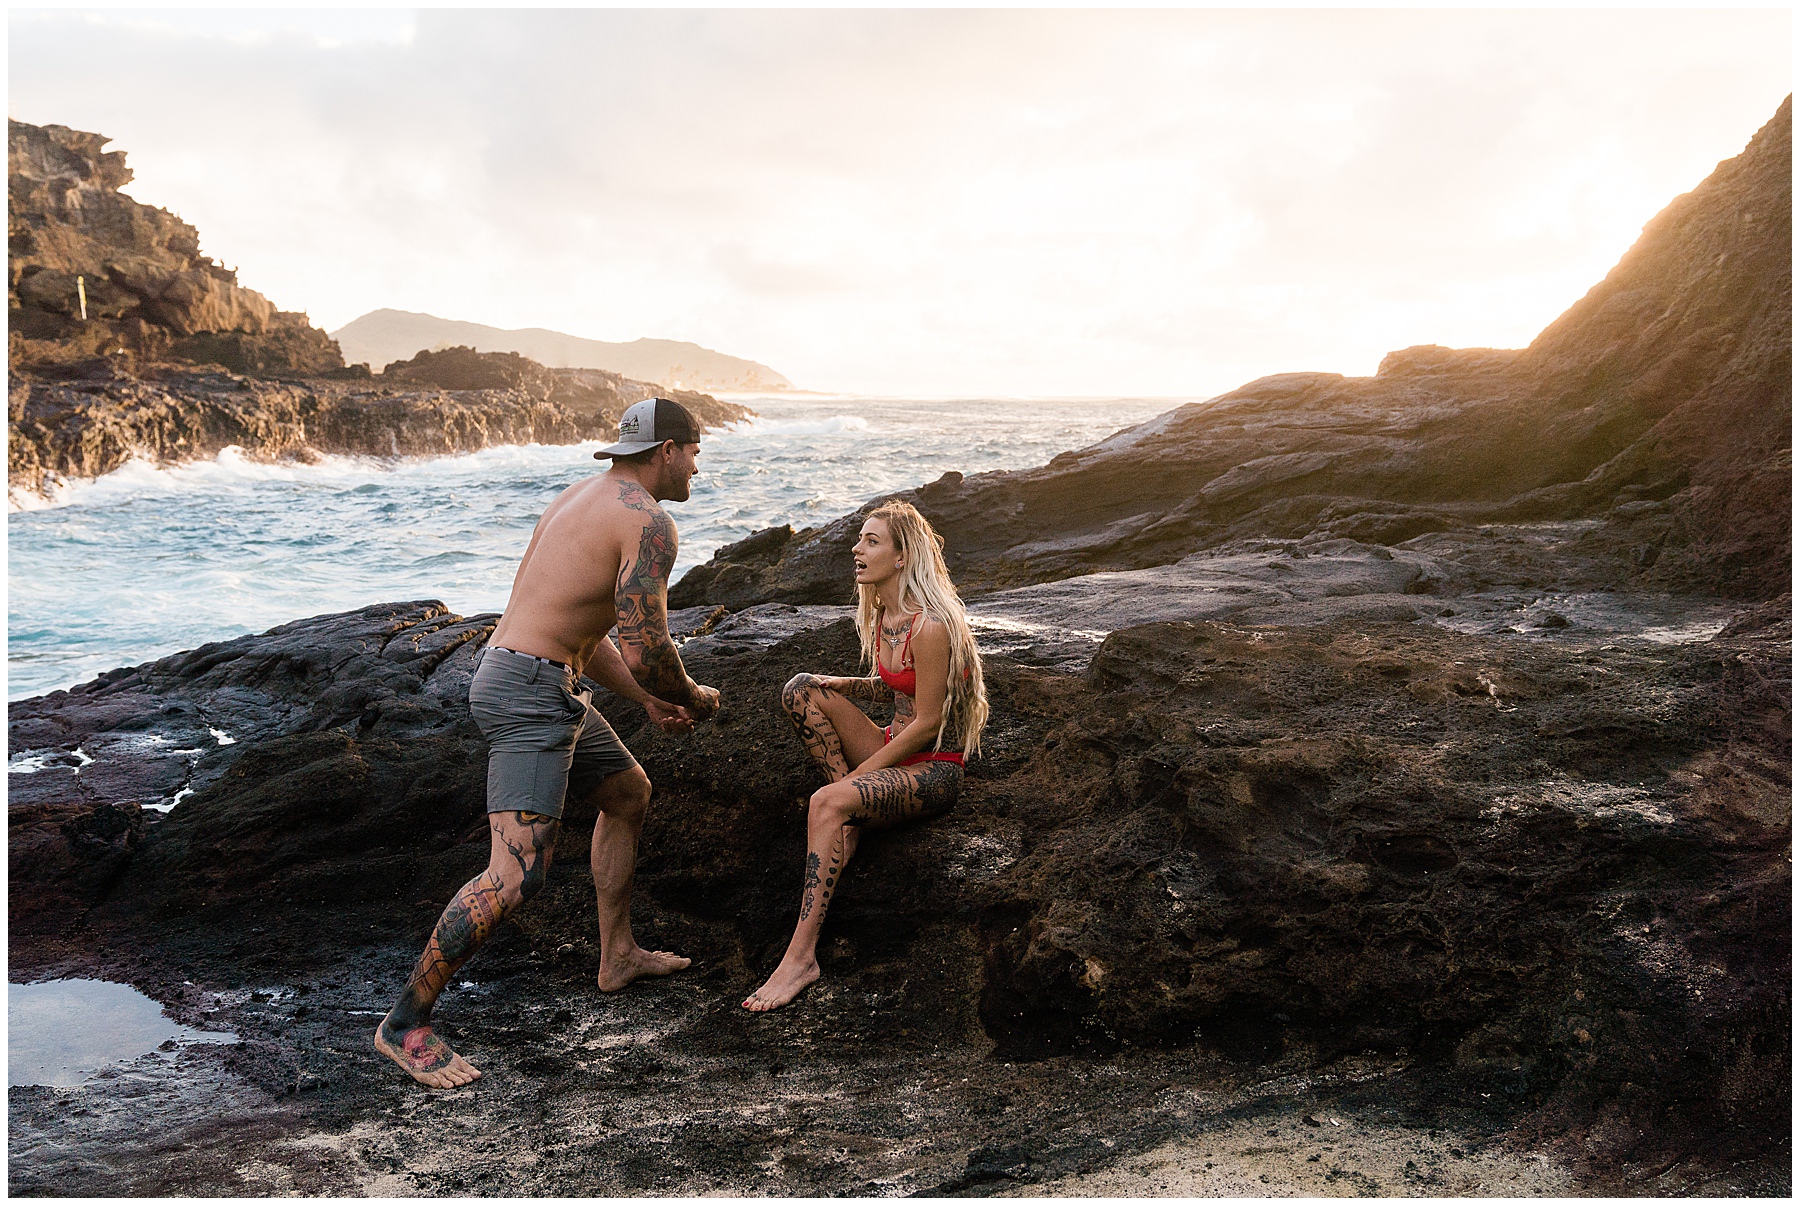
(544, 735)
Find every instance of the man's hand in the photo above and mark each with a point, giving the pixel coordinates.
(706, 700)
(669, 717)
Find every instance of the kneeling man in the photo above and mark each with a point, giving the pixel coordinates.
(600, 555)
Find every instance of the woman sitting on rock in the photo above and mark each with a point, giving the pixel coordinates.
(917, 640)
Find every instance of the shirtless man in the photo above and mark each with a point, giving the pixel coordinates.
(600, 555)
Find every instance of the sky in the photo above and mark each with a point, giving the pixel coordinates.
(1016, 203)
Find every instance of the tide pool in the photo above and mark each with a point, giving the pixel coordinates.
(60, 1032)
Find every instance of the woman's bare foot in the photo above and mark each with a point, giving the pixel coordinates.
(622, 969)
(783, 986)
(426, 1057)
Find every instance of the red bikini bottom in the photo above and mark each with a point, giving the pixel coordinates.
(887, 735)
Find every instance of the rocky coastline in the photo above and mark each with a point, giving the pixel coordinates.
(93, 418)
(125, 342)
(1388, 791)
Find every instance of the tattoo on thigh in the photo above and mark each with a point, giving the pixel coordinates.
(938, 785)
(897, 794)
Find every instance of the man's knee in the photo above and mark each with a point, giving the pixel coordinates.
(532, 881)
(625, 794)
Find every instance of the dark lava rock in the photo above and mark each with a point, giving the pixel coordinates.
(1261, 799)
(1556, 872)
(1660, 402)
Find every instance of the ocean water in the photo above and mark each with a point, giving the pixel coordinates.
(148, 561)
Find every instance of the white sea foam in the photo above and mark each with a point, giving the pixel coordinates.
(831, 426)
(152, 559)
(169, 805)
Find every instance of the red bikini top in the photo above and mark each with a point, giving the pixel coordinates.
(906, 679)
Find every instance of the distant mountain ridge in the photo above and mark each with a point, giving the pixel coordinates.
(381, 337)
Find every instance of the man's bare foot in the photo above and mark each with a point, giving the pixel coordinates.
(622, 969)
(426, 1057)
(783, 986)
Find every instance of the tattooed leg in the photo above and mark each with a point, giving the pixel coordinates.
(623, 799)
(803, 697)
(518, 860)
(836, 733)
(880, 798)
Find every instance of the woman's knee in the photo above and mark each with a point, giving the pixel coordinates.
(797, 688)
(834, 802)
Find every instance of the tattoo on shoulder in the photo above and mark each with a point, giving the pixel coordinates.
(641, 599)
(636, 497)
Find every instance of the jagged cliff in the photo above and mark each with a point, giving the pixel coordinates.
(173, 360)
(92, 272)
(1660, 403)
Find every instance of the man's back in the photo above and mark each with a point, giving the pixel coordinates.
(563, 596)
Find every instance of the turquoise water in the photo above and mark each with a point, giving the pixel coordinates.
(146, 561)
(60, 1032)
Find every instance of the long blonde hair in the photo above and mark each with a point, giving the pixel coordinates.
(925, 586)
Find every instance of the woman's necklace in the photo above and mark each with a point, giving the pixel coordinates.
(893, 636)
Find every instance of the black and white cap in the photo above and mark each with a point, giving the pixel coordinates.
(647, 424)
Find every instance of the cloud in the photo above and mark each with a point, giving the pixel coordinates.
(1024, 202)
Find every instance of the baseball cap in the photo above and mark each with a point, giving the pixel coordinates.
(646, 424)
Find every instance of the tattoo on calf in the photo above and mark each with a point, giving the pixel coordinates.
(470, 917)
(812, 883)
(816, 731)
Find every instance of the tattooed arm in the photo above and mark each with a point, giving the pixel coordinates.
(606, 666)
(871, 688)
(641, 601)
